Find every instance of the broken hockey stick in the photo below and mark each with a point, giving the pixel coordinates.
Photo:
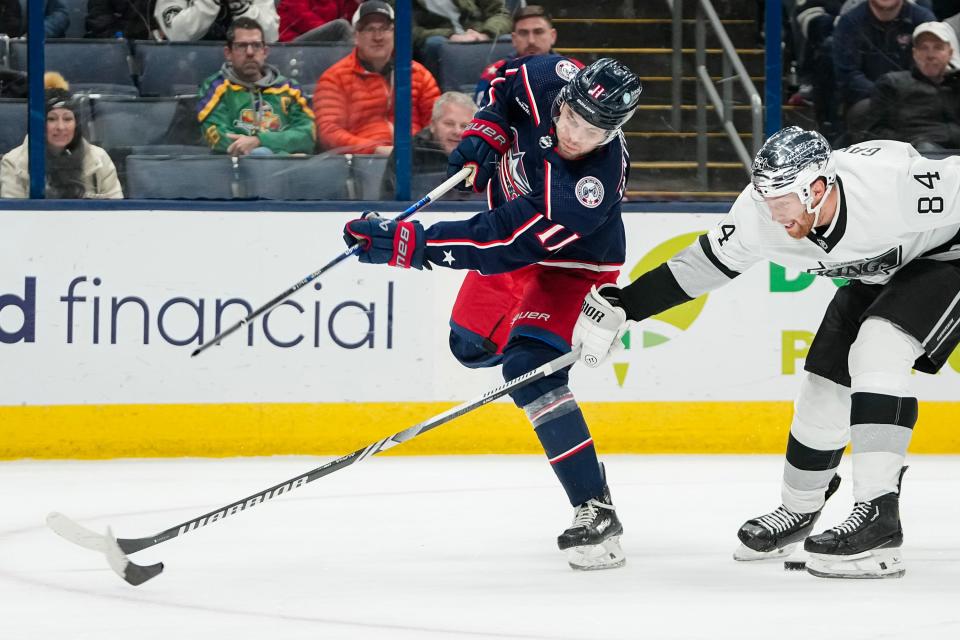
(445, 186)
(116, 549)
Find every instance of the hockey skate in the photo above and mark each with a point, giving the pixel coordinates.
(593, 539)
(865, 545)
(776, 534)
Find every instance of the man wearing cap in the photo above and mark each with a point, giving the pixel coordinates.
(354, 98)
(870, 40)
(921, 106)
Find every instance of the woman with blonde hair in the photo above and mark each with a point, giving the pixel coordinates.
(75, 168)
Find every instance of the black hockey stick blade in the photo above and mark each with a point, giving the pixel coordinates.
(106, 544)
(116, 548)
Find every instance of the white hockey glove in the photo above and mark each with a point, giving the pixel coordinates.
(600, 326)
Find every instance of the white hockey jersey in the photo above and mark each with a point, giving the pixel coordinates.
(894, 206)
(187, 20)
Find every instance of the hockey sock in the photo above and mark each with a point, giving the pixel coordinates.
(881, 428)
(818, 435)
(563, 433)
(882, 413)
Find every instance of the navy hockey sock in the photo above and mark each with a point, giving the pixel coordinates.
(556, 418)
(563, 433)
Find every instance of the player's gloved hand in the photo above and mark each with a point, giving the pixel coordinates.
(480, 148)
(601, 324)
(382, 241)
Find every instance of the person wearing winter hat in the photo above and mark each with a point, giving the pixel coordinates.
(75, 168)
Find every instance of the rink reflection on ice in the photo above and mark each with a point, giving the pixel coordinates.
(451, 547)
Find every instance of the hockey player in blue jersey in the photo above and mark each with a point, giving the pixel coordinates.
(548, 151)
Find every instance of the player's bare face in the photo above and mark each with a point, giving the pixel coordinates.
(791, 213)
(575, 136)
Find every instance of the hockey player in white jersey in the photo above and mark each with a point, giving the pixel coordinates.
(888, 221)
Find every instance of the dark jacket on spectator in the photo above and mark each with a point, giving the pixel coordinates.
(55, 19)
(865, 48)
(132, 18)
(11, 18)
(907, 106)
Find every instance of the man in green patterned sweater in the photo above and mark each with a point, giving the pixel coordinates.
(248, 107)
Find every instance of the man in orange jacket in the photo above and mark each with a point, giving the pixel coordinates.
(354, 98)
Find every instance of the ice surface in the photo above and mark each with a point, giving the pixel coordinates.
(451, 547)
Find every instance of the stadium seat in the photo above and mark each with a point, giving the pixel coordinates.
(461, 63)
(90, 66)
(195, 177)
(175, 68)
(305, 62)
(13, 115)
(170, 150)
(296, 177)
(144, 121)
(367, 174)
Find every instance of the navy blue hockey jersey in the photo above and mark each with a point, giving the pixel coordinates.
(543, 209)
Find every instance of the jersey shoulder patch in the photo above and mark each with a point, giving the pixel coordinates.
(589, 192)
(566, 69)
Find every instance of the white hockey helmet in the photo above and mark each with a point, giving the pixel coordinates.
(790, 161)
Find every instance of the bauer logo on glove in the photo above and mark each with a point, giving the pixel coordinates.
(391, 242)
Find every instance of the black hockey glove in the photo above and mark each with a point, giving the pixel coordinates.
(480, 148)
(382, 241)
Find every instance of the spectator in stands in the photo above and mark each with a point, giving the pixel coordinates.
(55, 19)
(812, 23)
(248, 107)
(532, 35)
(316, 20)
(870, 40)
(11, 18)
(186, 20)
(75, 168)
(452, 113)
(13, 84)
(438, 21)
(354, 97)
(130, 19)
(921, 106)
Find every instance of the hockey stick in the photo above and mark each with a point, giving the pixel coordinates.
(445, 186)
(116, 549)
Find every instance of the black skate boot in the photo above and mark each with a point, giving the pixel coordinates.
(777, 533)
(865, 545)
(593, 539)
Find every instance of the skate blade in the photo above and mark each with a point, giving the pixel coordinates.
(607, 555)
(744, 553)
(869, 565)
